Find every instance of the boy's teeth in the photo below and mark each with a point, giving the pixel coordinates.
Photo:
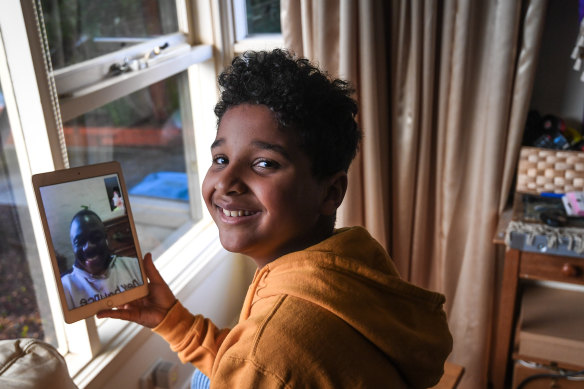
(236, 213)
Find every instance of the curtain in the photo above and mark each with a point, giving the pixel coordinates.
(444, 89)
(328, 33)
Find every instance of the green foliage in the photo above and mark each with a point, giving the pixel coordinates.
(263, 16)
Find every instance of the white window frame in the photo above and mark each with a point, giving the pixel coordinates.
(88, 351)
(209, 38)
(244, 41)
(20, 90)
(234, 31)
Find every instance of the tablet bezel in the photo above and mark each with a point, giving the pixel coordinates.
(76, 174)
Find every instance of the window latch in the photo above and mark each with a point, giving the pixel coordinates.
(155, 51)
(118, 68)
(128, 65)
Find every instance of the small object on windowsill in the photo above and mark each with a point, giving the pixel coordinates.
(155, 51)
(150, 58)
(126, 66)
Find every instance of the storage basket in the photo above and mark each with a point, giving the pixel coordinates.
(545, 170)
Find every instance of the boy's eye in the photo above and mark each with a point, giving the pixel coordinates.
(220, 160)
(266, 164)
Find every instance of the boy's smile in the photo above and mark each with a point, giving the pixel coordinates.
(260, 189)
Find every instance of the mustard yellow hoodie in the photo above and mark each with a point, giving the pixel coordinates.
(335, 315)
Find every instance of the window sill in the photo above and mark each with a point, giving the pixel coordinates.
(90, 97)
(185, 265)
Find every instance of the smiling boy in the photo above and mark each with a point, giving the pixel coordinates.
(260, 190)
(326, 307)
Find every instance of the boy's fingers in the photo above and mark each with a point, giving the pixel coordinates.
(112, 313)
(151, 271)
(123, 314)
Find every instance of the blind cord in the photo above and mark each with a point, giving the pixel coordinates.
(41, 31)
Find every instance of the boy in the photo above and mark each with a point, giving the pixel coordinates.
(326, 307)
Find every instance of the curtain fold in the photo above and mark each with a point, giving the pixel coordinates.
(342, 37)
(444, 89)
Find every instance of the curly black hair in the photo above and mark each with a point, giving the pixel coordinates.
(318, 108)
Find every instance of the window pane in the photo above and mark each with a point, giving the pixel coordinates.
(143, 131)
(78, 30)
(263, 16)
(24, 306)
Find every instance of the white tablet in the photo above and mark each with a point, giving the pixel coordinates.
(91, 237)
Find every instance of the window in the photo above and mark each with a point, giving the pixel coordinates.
(23, 304)
(123, 86)
(87, 81)
(144, 131)
(81, 30)
(256, 17)
(257, 25)
(263, 16)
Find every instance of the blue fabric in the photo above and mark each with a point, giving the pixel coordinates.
(199, 380)
(169, 185)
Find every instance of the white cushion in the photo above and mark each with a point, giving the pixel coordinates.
(31, 363)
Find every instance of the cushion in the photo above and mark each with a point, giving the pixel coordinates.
(31, 363)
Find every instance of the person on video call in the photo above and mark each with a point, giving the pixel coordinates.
(97, 272)
(117, 201)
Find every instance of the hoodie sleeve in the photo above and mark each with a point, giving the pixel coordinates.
(240, 373)
(195, 338)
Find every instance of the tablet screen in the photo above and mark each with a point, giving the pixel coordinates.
(91, 238)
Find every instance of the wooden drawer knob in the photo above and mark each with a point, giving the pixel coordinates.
(570, 270)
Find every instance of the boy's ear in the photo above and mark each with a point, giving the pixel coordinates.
(334, 193)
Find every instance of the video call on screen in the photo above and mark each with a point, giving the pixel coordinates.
(96, 256)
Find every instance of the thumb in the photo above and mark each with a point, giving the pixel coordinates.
(151, 271)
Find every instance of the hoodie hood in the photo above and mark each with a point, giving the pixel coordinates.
(352, 276)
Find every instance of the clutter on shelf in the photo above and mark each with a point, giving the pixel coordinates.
(548, 207)
(551, 132)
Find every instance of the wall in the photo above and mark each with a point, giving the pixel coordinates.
(557, 88)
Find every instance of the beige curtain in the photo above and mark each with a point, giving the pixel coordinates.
(331, 33)
(443, 88)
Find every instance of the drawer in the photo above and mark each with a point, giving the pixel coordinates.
(551, 268)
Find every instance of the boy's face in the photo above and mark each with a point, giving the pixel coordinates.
(259, 189)
(89, 242)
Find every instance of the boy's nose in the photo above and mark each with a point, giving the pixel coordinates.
(229, 182)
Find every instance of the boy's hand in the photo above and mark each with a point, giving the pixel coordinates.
(150, 310)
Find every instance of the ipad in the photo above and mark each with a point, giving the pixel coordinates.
(92, 240)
